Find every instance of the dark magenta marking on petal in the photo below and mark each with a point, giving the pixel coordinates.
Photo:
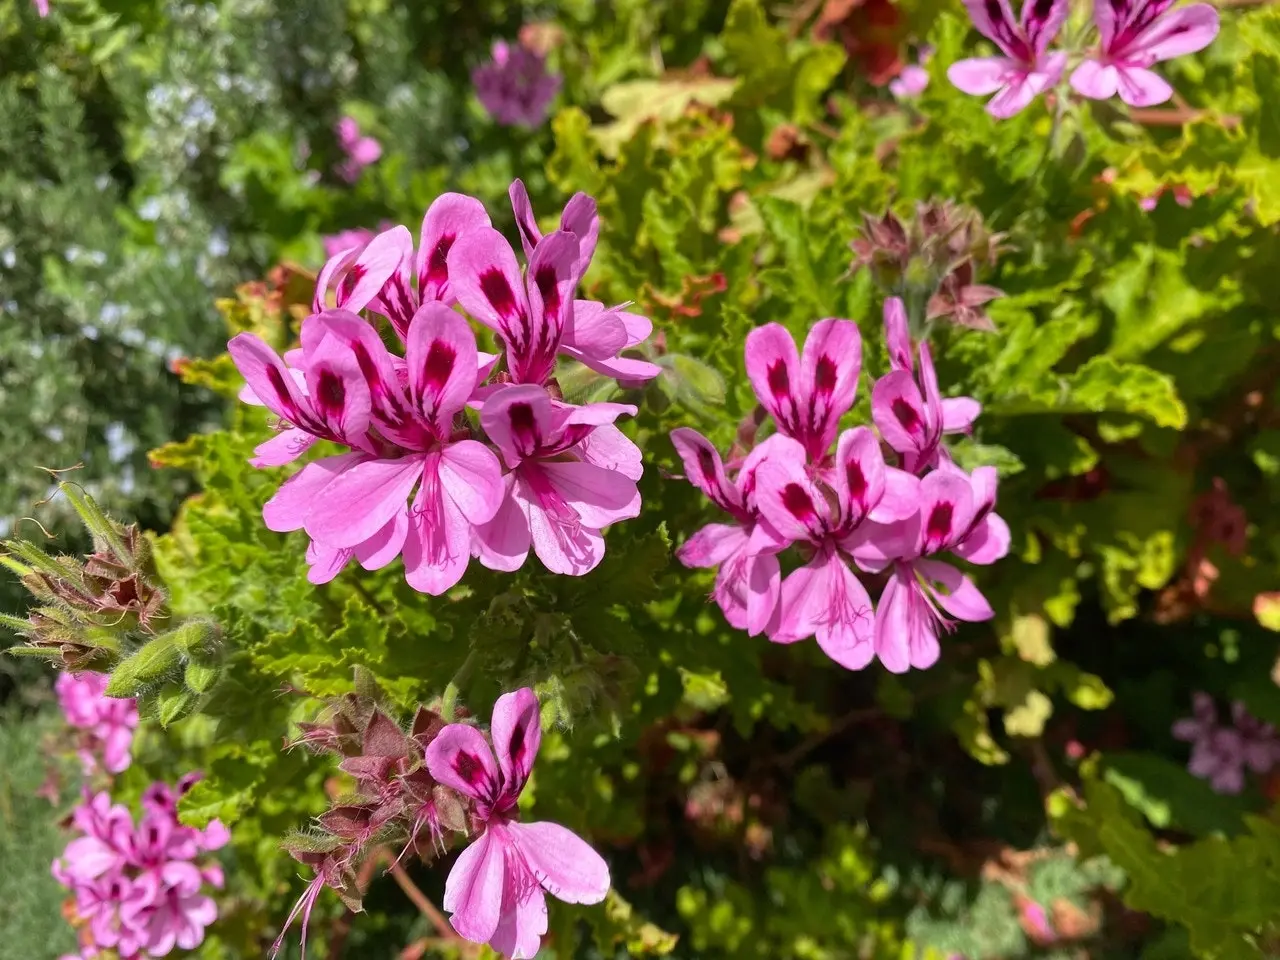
(707, 464)
(798, 503)
(498, 292)
(523, 426)
(545, 278)
(824, 377)
(349, 282)
(331, 393)
(906, 415)
(378, 390)
(1040, 12)
(857, 483)
(438, 262)
(281, 390)
(779, 381)
(469, 767)
(526, 231)
(938, 528)
(517, 745)
(440, 359)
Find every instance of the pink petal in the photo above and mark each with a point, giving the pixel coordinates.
(790, 500)
(472, 477)
(748, 587)
(704, 469)
(442, 362)
(905, 636)
(526, 222)
(1176, 33)
(503, 543)
(267, 376)
(846, 631)
(1015, 97)
(485, 277)
(1097, 81)
(563, 863)
(551, 281)
(899, 413)
(712, 545)
(958, 414)
(459, 758)
(896, 335)
(324, 562)
(344, 331)
(600, 497)
(995, 21)
(516, 729)
(339, 394)
(437, 548)
(360, 501)
(473, 892)
(859, 475)
(988, 542)
(946, 510)
(829, 370)
(1142, 88)
(288, 509)
(385, 545)
(580, 219)
(978, 77)
(387, 253)
(962, 599)
(773, 367)
(1041, 22)
(608, 447)
(518, 419)
(285, 447)
(595, 330)
(334, 267)
(449, 217)
(625, 369)
(900, 499)
(523, 921)
(806, 598)
(561, 540)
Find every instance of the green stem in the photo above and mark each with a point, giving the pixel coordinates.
(449, 701)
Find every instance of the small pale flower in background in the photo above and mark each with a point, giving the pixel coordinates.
(1027, 69)
(42, 7)
(1220, 752)
(496, 891)
(515, 87)
(108, 722)
(361, 151)
(1181, 195)
(914, 78)
(1134, 35)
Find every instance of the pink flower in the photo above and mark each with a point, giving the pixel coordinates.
(1026, 69)
(912, 420)
(515, 87)
(594, 334)
(355, 504)
(109, 722)
(360, 151)
(572, 474)
(1219, 753)
(914, 78)
(749, 581)
(955, 514)
(380, 276)
(496, 891)
(1181, 195)
(42, 7)
(1135, 34)
(806, 395)
(825, 598)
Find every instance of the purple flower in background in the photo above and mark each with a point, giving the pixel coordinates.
(42, 7)
(1135, 34)
(515, 87)
(108, 722)
(1027, 69)
(1220, 753)
(496, 891)
(360, 151)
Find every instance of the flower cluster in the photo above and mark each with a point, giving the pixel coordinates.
(412, 787)
(139, 887)
(1133, 35)
(515, 87)
(360, 151)
(1220, 752)
(846, 507)
(565, 473)
(107, 722)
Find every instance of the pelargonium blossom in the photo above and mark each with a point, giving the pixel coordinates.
(42, 7)
(911, 414)
(1134, 35)
(108, 722)
(515, 87)
(914, 78)
(1220, 752)
(496, 891)
(569, 471)
(140, 888)
(1027, 68)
